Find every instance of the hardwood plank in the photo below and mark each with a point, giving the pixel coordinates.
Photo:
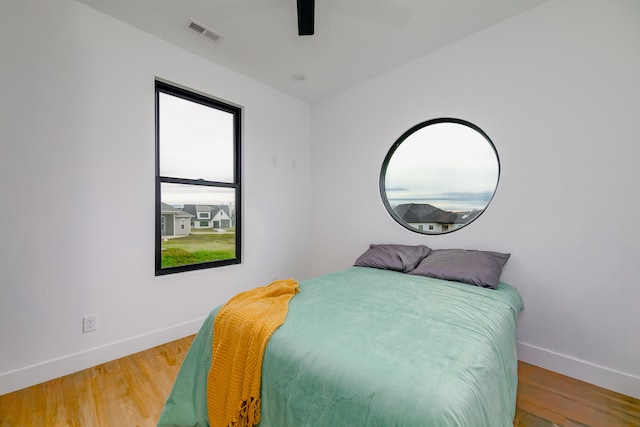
(566, 401)
(133, 390)
(127, 391)
(525, 419)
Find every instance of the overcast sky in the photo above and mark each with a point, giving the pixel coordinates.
(178, 195)
(439, 159)
(196, 142)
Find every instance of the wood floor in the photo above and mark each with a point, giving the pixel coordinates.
(132, 391)
(546, 398)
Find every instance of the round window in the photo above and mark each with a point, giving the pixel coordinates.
(439, 176)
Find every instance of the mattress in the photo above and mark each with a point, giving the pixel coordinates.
(370, 347)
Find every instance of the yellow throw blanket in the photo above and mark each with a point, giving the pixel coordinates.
(241, 331)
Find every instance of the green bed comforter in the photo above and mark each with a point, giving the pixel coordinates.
(368, 347)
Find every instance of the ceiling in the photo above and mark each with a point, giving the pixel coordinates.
(354, 40)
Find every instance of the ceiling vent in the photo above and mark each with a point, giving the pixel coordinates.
(203, 30)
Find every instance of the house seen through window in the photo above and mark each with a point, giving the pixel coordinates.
(197, 181)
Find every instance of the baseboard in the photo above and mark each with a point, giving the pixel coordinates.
(601, 376)
(35, 374)
(17, 379)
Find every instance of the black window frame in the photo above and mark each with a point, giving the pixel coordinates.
(189, 95)
(382, 184)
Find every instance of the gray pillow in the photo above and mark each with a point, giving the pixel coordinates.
(393, 257)
(479, 268)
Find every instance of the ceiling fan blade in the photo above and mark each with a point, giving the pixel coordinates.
(306, 17)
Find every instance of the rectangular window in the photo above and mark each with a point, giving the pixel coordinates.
(197, 164)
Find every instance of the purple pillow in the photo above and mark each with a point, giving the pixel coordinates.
(479, 268)
(393, 257)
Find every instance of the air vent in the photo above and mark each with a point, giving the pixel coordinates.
(203, 30)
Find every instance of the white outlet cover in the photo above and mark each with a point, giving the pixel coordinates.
(89, 323)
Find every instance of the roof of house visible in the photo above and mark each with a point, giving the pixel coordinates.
(167, 209)
(214, 209)
(426, 213)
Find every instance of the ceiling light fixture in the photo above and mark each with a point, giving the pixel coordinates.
(299, 77)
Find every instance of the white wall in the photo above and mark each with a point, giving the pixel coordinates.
(77, 150)
(558, 91)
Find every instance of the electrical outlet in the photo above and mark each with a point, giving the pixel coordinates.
(88, 323)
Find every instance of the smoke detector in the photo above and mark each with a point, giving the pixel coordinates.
(203, 30)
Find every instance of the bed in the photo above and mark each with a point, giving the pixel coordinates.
(373, 347)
